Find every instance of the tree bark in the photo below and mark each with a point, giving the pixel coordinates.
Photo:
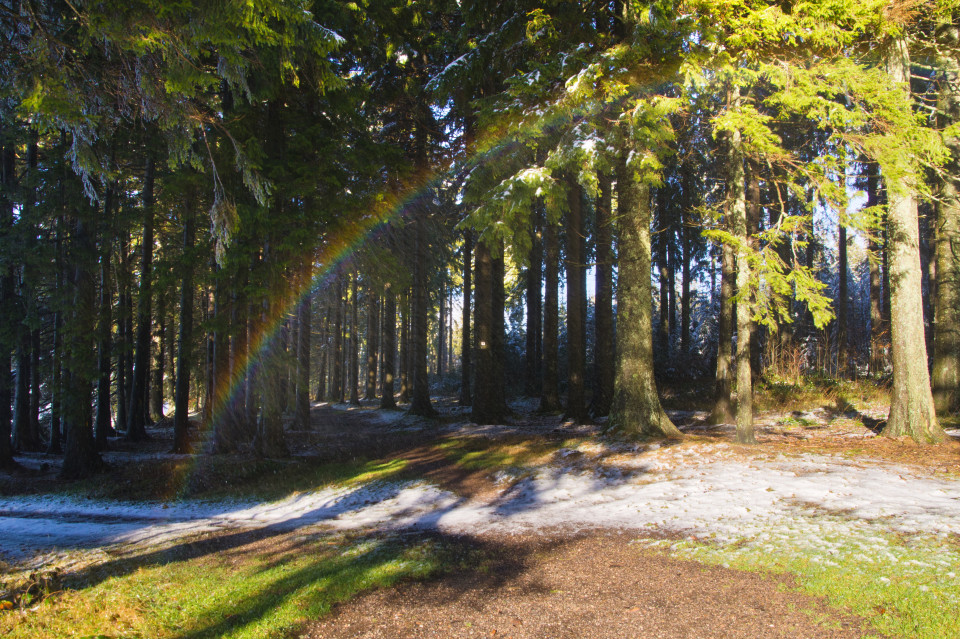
(946, 341)
(80, 455)
(373, 344)
(181, 423)
(737, 219)
(301, 414)
(336, 363)
(534, 281)
(137, 414)
(388, 369)
(103, 426)
(466, 343)
(576, 348)
(8, 182)
(843, 295)
(487, 399)
(878, 329)
(604, 350)
(420, 398)
(550, 390)
(722, 412)
(636, 408)
(911, 402)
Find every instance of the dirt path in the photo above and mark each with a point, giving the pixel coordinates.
(598, 586)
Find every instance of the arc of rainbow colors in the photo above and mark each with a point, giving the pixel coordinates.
(392, 206)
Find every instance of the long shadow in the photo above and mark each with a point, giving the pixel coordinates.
(843, 408)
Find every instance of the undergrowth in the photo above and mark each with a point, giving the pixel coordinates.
(258, 590)
(905, 586)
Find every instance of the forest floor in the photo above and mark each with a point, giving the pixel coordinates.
(545, 528)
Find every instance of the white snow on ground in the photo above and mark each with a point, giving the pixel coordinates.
(702, 490)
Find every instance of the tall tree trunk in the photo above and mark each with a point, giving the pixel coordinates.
(56, 386)
(441, 327)
(487, 397)
(604, 350)
(576, 349)
(23, 438)
(722, 412)
(842, 307)
(663, 328)
(223, 425)
(420, 399)
(532, 355)
(389, 327)
(877, 327)
(550, 390)
(181, 423)
(466, 344)
(946, 341)
(911, 402)
(7, 318)
(137, 414)
(80, 455)
(497, 313)
(103, 427)
(373, 344)
(737, 219)
(354, 343)
(324, 355)
(336, 383)
(405, 348)
(301, 415)
(636, 408)
(686, 257)
(161, 337)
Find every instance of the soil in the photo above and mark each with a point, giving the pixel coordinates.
(600, 586)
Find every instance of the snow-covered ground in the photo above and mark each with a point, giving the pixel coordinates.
(701, 490)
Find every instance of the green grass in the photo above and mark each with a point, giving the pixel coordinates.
(259, 591)
(905, 586)
(478, 454)
(219, 478)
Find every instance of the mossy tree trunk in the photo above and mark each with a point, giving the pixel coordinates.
(636, 408)
(946, 342)
(604, 349)
(911, 402)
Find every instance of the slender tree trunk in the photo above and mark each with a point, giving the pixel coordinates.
(911, 402)
(301, 415)
(843, 295)
(56, 400)
(136, 426)
(441, 327)
(8, 182)
(550, 391)
(80, 455)
(497, 313)
(466, 344)
(636, 408)
(102, 425)
(35, 383)
(156, 387)
(181, 423)
(373, 344)
(324, 355)
(336, 384)
(685, 259)
(354, 344)
(388, 369)
(576, 349)
(737, 219)
(420, 399)
(534, 283)
(605, 352)
(722, 412)
(663, 329)
(877, 328)
(23, 439)
(223, 425)
(486, 401)
(405, 348)
(946, 341)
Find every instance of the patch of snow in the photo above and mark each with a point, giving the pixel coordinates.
(700, 490)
